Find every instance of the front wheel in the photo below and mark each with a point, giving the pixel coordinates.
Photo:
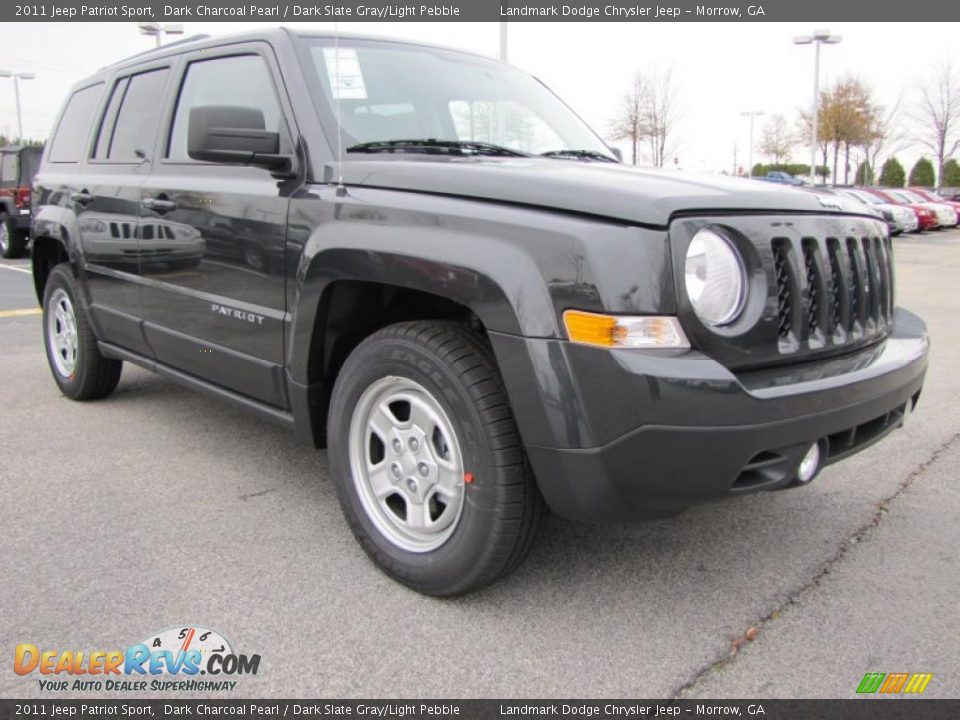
(78, 368)
(427, 460)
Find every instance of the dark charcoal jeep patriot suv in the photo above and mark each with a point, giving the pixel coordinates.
(424, 261)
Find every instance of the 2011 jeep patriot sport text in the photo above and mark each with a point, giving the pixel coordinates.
(424, 261)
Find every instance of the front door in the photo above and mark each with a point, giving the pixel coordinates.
(216, 308)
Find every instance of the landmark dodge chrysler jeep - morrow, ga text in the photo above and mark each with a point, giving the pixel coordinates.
(477, 309)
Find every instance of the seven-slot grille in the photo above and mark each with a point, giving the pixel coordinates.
(832, 291)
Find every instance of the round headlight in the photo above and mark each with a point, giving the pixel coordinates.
(715, 278)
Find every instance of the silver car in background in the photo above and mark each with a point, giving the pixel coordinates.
(901, 219)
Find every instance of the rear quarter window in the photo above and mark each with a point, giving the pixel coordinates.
(69, 143)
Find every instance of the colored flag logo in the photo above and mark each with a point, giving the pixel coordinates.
(894, 683)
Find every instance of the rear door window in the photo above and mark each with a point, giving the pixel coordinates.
(109, 117)
(134, 132)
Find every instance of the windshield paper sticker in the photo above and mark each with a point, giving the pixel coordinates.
(343, 69)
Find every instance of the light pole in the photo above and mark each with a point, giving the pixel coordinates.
(751, 114)
(17, 77)
(819, 37)
(157, 30)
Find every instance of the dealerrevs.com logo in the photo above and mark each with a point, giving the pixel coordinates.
(167, 661)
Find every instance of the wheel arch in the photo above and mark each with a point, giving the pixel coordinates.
(53, 236)
(347, 295)
(47, 252)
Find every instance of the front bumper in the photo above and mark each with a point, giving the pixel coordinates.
(623, 435)
(947, 218)
(907, 223)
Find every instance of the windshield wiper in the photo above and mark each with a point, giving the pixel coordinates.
(579, 155)
(436, 147)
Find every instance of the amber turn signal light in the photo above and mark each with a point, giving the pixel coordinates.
(620, 331)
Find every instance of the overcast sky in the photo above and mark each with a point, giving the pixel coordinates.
(721, 68)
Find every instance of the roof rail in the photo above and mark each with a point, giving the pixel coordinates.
(183, 41)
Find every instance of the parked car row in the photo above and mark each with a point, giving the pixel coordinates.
(906, 209)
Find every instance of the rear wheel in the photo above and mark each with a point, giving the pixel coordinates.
(427, 459)
(78, 368)
(11, 243)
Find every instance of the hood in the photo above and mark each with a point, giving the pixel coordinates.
(621, 192)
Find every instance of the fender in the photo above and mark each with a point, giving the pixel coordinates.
(60, 224)
(383, 237)
(516, 268)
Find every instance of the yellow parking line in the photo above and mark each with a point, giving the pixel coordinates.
(20, 313)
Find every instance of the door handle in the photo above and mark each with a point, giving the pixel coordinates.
(159, 204)
(83, 197)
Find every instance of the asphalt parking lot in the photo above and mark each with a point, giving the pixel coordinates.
(159, 507)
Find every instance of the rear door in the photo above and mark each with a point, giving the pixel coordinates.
(219, 314)
(108, 203)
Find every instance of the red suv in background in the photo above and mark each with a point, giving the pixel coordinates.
(18, 165)
(926, 218)
(931, 196)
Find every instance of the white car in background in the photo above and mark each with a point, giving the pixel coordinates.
(902, 219)
(946, 214)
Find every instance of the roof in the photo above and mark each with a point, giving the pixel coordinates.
(274, 33)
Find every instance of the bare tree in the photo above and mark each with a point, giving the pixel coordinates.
(660, 113)
(649, 113)
(939, 113)
(777, 140)
(627, 125)
(885, 135)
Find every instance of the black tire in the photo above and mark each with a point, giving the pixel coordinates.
(502, 509)
(94, 376)
(12, 245)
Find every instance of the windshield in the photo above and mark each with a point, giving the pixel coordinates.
(391, 92)
(912, 197)
(864, 198)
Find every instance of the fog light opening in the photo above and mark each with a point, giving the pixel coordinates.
(810, 465)
(907, 410)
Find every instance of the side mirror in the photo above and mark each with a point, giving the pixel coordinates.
(617, 153)
(234, 136)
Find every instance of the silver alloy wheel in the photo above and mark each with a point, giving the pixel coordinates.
(4, 237)
(62, 333)
(406, 464)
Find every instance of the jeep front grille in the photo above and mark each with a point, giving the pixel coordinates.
(829, 291)
(784, 287)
